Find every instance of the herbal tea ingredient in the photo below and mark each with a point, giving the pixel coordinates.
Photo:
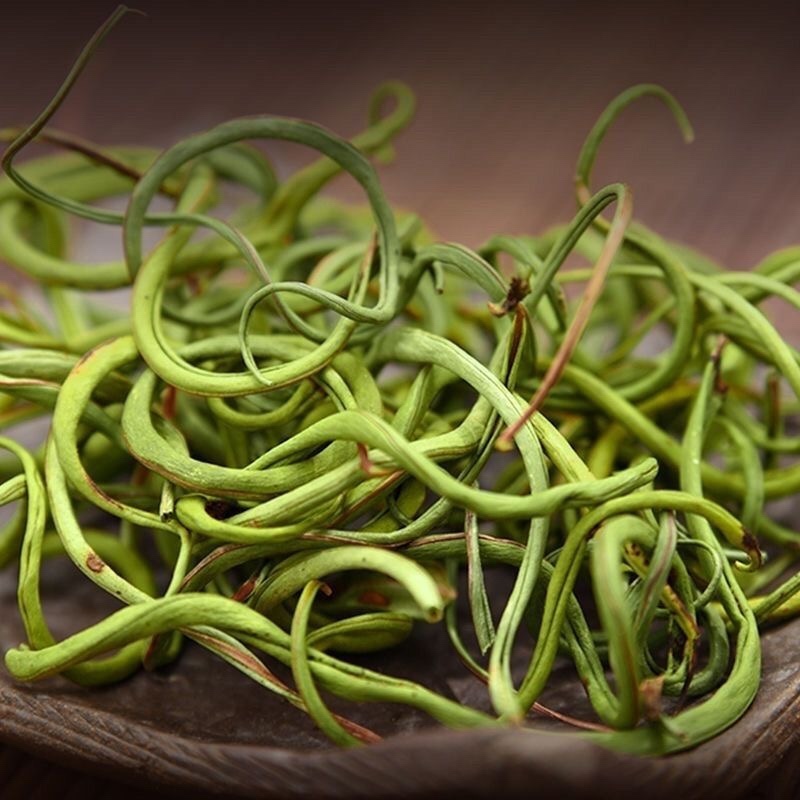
(317, 423)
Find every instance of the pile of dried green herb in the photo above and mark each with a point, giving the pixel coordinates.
(312, 399)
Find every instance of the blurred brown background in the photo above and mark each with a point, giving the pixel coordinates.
(506, 93)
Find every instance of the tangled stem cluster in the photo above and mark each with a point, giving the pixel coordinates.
(308, 397)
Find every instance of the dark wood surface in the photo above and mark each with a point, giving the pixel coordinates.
(505, 97)
(200, 729)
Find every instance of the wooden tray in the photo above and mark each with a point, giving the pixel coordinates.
(201, 728)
